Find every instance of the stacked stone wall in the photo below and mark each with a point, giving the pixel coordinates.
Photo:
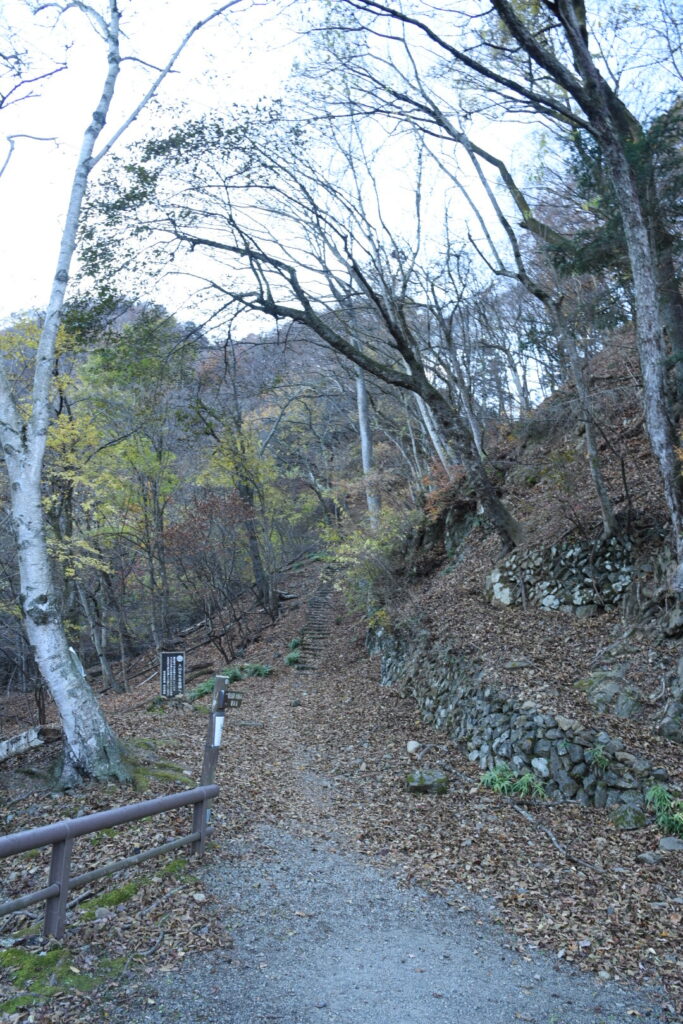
(453, 694)
(576, 576)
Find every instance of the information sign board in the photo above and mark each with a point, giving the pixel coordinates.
(233, 698)
(172, 673)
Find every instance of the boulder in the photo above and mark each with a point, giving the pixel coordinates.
(674, 625)
(427, 780)
(608, 691)
(628, 817)
(541, 767)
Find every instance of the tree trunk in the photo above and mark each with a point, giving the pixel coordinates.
(90, 748)
(439, 443)
(265, 591)
(651, 344)
(672, 311)
(500, 517)
(97, 637)
(365, 429)
(609, 521)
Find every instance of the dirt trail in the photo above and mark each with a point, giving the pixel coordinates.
(319, 840)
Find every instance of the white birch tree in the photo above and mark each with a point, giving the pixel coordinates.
(90, 747)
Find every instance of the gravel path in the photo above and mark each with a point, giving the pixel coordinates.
(322, 932)
(321, 938)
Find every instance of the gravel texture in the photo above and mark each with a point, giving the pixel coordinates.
(321, 938)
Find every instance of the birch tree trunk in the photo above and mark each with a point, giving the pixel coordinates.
(438, 441)
(365, 429)
(90, 747)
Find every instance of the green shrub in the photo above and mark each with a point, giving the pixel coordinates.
(293, 657)
(232, 675)
(249, 670)
(599, 758)
(202, 690)
(529, 787)
(294, 643)
(367, 558)
(668, 810)
(502, 779)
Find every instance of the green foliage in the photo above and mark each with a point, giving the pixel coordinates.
(598, 758)
(249, 670)
(202, 690)
(165, 771)
(176, 868)
(293, 658)
(502, 779)
(529, 787)
(367, 560)
(668, 810)
(379, 619)
(231, 675)
(40, 974)
(112, 897)
(294, 643)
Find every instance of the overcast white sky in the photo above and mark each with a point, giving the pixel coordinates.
(239, 60)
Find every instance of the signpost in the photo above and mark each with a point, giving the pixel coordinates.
(223, 698)
(172, 673)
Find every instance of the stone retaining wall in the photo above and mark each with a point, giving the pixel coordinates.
(577, 576)
(453, 694)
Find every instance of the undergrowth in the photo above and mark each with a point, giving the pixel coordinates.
(668, 810)
(502, 779)
(247, 670)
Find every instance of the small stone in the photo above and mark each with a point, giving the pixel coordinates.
(625, 758)
(412, 746)
(651, 857)
(671, 844)
(541, 767)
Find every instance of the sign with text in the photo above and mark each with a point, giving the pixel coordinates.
(172, 673)
(233, 698)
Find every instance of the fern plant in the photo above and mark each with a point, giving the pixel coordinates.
(502, 779)
(668, 810)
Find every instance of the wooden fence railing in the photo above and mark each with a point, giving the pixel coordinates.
(61, 835)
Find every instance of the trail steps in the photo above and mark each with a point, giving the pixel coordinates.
(319, 622)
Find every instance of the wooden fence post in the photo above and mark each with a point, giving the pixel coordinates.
(55, 906)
